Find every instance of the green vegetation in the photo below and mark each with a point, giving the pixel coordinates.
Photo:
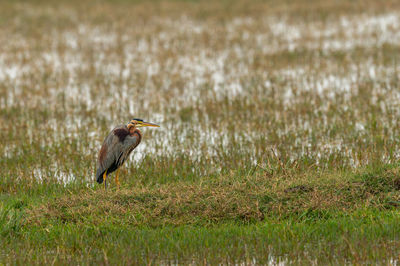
(279, 138)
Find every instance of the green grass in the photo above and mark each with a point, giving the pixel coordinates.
(356, 237)
(222, 220)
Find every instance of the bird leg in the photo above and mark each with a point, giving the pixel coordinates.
(116, 177)
(105, 179)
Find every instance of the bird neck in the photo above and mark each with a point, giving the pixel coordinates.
(131, 128)
(138, 135)
(133, 131)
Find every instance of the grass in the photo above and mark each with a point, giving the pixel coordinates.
(225, 199)
(335, 218)
(343, 238)
(278, 139)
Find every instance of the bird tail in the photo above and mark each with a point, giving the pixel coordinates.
(99, 176)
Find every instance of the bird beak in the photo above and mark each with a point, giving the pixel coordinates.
(146, 124)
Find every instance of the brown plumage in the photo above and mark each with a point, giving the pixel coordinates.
(102, 153)
(116, 149)
(117, 146)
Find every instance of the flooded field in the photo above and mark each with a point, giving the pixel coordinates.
(315, 88)
(247, 95)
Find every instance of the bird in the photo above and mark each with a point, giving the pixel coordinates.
(117, 146)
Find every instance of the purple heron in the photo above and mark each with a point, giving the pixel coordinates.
(117, 146)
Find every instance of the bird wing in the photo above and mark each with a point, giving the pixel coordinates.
(109, 152)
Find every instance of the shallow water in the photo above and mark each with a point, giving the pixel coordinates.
(211, 86)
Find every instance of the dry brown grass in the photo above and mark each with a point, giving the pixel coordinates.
(224, 199)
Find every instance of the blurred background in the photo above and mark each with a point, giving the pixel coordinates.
(234, 85)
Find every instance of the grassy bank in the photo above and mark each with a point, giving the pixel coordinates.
(248, 219)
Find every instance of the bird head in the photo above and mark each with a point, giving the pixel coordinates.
(137, 122)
